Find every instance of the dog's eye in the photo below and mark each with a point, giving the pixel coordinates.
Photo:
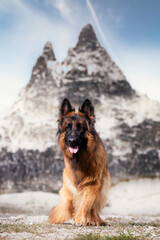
(68, 126)
(80, 127)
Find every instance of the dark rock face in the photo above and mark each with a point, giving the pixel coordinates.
(87, 40)
(143, 136)
(39, 68)
(48, 52)
(120, 88)
(143, 160)
(30, 170)
(138, 165)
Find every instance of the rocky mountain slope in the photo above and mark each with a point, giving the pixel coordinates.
(128, 123)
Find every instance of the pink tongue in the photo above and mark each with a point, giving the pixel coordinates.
(73, 150)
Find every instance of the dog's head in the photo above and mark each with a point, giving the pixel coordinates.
(75, 129)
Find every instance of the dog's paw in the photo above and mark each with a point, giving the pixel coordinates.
(102, 222)
(80, 221)
(93, 223)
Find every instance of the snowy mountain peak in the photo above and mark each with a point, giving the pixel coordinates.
(40, 73)
(91, 71)
(44, 73)
(87, 39)
(48, 52)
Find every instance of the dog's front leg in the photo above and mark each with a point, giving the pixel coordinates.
(89, 196)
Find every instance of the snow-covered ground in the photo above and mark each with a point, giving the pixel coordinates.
(137, 197)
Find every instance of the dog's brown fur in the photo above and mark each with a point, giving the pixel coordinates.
(86, 178)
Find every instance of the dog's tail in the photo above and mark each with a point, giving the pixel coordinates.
(60, 213)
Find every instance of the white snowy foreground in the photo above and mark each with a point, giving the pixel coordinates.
(136, 197)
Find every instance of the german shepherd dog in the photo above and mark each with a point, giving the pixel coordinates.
(86, 178)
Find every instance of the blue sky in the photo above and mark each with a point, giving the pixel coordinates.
(128, 29)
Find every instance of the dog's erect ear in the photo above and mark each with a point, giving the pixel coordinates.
(88, 110)
(65, 108)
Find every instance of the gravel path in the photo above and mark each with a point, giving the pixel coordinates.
(36, 227)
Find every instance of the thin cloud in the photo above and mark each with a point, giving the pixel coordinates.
(95, 18)
(65, 10)
(97, 22)
(114, 16)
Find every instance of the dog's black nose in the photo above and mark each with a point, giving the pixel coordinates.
(72, 141)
